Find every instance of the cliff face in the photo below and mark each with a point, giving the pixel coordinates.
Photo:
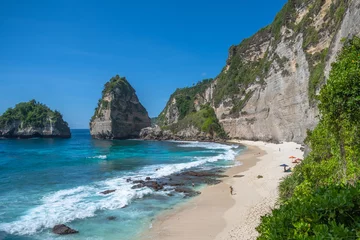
(119, 114)
(33, 119)
(188, 117)
(267, 90)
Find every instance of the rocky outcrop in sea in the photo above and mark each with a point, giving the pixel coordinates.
(33, 119)
(119, 114)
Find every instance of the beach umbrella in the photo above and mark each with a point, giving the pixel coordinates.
(284, 165)
(292, 157)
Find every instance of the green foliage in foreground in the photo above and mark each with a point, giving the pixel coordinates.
(30, 113)
(321, 199)
(331, 212)
(204, 120)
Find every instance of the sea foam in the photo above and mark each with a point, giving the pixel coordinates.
(99, 157)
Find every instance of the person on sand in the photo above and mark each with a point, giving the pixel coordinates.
(231, 190)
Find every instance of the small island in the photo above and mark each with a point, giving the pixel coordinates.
(33, 119)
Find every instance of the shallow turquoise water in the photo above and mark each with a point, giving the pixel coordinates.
(44, 182)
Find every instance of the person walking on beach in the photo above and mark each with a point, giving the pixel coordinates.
(231, 190)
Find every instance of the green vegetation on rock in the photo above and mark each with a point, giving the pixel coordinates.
(311, 35)
(30, 114)
(204, 120)
(321, 199)
(116, 82)
(240, 73)
(251, 62)
(185, 98)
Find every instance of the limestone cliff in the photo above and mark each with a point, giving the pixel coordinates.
(268, 87)
(119, 114)
(33, 119)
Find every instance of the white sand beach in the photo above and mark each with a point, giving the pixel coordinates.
(216, 214)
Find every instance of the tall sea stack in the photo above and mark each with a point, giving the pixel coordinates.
(119, 114)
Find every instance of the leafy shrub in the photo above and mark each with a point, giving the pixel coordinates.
(331, 212)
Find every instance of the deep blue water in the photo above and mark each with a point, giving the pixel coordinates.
(44, 182)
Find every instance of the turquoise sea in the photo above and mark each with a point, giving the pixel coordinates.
(44, 182)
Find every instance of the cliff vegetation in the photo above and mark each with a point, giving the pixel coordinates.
(30, 114)
(204, 120)
(109, 87)
(321, 199)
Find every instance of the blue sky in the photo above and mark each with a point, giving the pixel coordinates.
(61, 53)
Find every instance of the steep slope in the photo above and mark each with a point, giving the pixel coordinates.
(184, 118)
(119, 114)
(268, 88)
(33, 119)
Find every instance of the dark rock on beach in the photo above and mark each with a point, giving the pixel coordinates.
(62, 229)
(154, 185)
(138, 181)
(203, 174)
(108, 191)
(151, 184)
(183, 182)
(187, 191)
(172, 183)
(140, 185)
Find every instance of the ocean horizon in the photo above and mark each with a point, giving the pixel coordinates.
(46, 182)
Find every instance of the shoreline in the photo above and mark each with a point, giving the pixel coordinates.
(215, 213)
